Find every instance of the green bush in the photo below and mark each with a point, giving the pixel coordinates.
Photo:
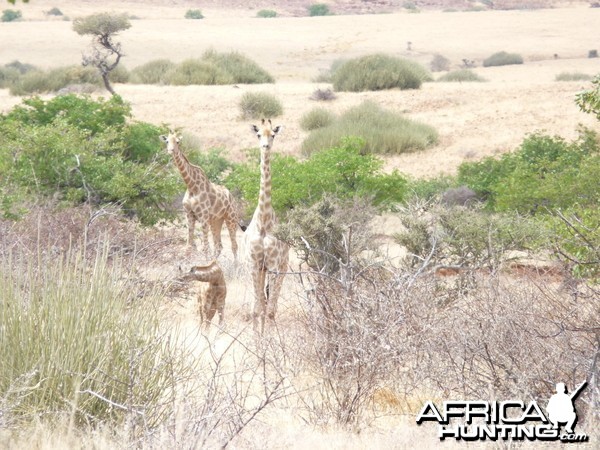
(316, 118)
(467, 237)
(382, 131)
(589, 100)
(378, 72)
(212, 68)
(545, 172)
(78, 112)
(77, 339)
(556, 182)
(240, 68)
(259, 105)
(343, 171)
(572, 76)
(39, 82)
(318, 9)
(577, 239)
(266, 13)
(502, 59)
(196, 71)
(80, 150)
(10, 15)
(193, 14)
(462, 75)
(153, 72)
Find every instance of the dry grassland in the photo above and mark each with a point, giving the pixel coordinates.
(473, 119)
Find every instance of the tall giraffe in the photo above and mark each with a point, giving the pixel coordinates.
(205, 202)
(267, 256)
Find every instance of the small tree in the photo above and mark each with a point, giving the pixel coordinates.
(105, 54)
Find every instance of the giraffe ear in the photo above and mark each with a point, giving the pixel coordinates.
(163, 138)
(254, 128)
(278, 129)
(178, 139)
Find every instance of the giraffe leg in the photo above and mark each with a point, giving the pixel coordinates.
(191, 221)
(201, 309)
(205, 245)
(258, 278)
(210, 313)
(232, 228)
(221, 311)
(275, 284)
(216, 227)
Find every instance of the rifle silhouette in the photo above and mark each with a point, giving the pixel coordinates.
(578, 390)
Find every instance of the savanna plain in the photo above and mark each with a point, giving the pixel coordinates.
(426, 298)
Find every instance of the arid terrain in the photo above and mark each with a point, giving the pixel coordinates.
(474, 120)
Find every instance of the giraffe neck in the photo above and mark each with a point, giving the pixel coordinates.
(266, 215)
(194, 177)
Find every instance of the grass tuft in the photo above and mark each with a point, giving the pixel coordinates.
(153, 72)
(258, 105)
(502, 59)
(316, 118)
(461, 75)
(378, 72)
(196, 71)
(572, 76)
(383, 132)
(79, 340)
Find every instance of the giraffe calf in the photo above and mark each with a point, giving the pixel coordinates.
(212, 299)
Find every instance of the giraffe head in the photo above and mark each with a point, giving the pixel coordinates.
(266, 134)
(172, 141)
(197, 272)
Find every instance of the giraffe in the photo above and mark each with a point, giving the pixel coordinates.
(212, 300)
(266, 255)
(205, 202)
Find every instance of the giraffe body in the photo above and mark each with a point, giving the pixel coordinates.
(204, 202)
(267, 256)
(211, 300)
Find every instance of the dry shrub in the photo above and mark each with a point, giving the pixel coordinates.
(507, 339)
(379, 338)
(350, 322)
(323, 95)
(405, 334)
(440, 63)
(57, 231)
